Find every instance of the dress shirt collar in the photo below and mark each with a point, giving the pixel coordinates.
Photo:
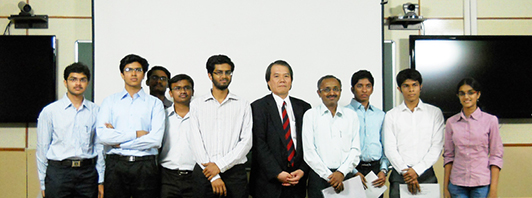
(229, 96)
(279, 101)
(171, 112)
(420, 106)
(475, 115)
(324, 110)
(140, 94)
(65, 101)
(358, 106)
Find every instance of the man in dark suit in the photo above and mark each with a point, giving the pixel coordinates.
(278, 168)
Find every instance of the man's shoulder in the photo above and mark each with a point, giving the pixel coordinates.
(300, 102)
(263, 101)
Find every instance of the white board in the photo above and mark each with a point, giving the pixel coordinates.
(315, 37)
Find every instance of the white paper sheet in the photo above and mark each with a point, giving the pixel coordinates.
(427, 191)
(353, 188)
(372, 191)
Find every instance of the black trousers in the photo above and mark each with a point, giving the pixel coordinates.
(176, 183)
(127, 177)
(235, 179)
(395, 179)
(316, 184)
(64, 181)
(366, 167)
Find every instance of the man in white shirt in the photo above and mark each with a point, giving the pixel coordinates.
(176, 158)
(331, 143)
(220, 135)
(413, 136)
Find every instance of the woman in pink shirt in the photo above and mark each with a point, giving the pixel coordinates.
(473, 147)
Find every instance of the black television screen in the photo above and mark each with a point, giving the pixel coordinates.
(27, 76)
(502, 65)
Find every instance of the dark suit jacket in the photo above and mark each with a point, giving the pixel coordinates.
(269, 155)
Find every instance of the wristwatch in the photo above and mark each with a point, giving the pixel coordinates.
(384, 171)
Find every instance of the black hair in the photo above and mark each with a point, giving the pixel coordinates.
(278, 62)
(411, 74)
(77, 68)
(180, 77)
(327, 77)
(218, 59)
(154, 68)
(131, 58)
(361, 74)
(471, 82)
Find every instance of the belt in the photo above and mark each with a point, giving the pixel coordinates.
(369, 164)
(73, 163)
(131, 158)
(183, 172)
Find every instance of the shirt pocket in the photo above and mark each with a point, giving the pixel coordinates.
(86, 135)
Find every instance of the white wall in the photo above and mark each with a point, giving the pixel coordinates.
(315, 37)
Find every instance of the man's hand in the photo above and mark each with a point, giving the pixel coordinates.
(413, 187)
(109, 126)
(100, 191)
(218, 187)
(363, 179)
(410, 175)
(339, 189)
(492, 193)
(296, 176)
(141, 133)
(42, 192)
(283, 178)
(210, 170)
(380, 181)
(336, 179)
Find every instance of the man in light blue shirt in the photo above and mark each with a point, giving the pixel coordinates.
(131, 126)
(69, 163)
(371, 119)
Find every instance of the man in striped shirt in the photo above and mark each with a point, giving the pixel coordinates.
(220, 135)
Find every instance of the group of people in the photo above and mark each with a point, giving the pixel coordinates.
(140, 145)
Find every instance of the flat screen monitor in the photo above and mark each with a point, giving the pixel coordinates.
(502, 65)
(27, 77)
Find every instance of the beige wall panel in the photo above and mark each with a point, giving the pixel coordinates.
(516, 133)
(444, 27)
(505, 27)
(8, 7)
(13, 174)
(67, 31)
(12, 135)
(34, 187)
(68, 7)
(439, 8)
(516, 175)
(32, 136)
(499, 8)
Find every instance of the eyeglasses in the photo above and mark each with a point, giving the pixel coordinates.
(129, 69)
(185, 88)
(83, 80)
(162, 78)
(469, 93)
(328, 89)
(227, 73)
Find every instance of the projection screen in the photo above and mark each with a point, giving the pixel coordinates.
(316, 37)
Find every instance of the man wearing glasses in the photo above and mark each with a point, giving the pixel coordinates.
(69, 163)
(220, 135)
(158, 82)
(131, 126)
(331, 140)
(177, 160)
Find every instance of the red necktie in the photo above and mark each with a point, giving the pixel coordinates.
(288, 136)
